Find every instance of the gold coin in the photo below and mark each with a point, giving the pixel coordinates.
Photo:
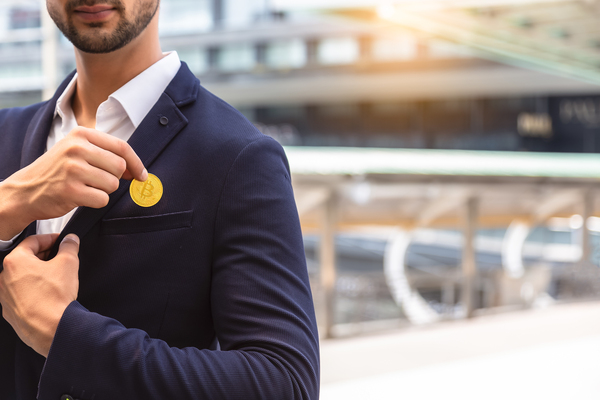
(147, 193)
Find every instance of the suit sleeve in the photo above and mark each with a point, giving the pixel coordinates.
(261, 303)
(6, 250)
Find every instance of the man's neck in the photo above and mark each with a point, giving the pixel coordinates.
(100, 75)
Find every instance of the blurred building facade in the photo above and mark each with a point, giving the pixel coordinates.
(320, 80)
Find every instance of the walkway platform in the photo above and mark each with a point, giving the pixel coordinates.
(550, 354)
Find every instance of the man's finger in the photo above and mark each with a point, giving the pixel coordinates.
(106, 160)
(69, 245)
(39, 243)
(127, 176)
(120, 148)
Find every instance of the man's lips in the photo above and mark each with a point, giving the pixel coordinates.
(94, 13)
(94, 9)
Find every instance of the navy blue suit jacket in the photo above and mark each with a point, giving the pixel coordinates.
(219, 257)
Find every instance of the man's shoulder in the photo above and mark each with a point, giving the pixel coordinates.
(19, 117)
(15, 121)
(221, 125)
(13, 128)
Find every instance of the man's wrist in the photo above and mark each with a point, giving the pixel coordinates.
(13, 213)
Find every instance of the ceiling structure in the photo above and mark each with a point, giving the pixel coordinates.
(558, 36)
(421, 188)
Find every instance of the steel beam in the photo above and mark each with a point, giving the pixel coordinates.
(469, 266)
(588, 211)
(327, 255)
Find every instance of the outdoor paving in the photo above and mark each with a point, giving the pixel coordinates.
(550, 354)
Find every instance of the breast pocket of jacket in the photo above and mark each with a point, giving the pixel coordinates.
(149, 223)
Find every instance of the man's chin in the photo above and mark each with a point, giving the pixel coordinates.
(85, 29)
(96, 25)
(96, 45)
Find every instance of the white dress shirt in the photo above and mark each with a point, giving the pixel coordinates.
(119, 116)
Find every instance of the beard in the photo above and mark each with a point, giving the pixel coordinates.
(97, 42)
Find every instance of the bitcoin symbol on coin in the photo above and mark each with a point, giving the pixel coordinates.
(148, 193)
(147, 189)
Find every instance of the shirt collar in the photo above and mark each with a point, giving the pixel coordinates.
(138, 96)
(63, 104)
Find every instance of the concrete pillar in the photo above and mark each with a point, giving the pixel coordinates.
(587, 212)
(260, 54)
(327, 259)
(366, 49)
(312, 50)
(477, 116)
(218, 13)
(50, 64)
(469, 267)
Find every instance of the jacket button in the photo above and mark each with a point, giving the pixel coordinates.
(164, 121)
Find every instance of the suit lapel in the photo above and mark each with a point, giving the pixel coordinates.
(148, 141)
(36, 136)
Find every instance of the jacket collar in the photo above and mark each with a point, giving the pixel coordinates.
(179, 90)
(148, 140)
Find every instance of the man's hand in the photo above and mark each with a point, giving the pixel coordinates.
(80, 170)
(35, 293)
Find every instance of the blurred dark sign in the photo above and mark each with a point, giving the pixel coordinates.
(576, 123)
(285, 134)
(577, 111)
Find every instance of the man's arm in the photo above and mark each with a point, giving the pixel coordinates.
(80, 170)
(262, 310)
(6, 245)
(12, 214)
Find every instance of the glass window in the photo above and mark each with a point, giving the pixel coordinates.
(11, 51)
(240, 13)
(286, 54)
(184, 16)
(19, 14)
(248, 112)
(195, 58)
(381, 109)
(398, 48)
(16, 99)
(339, 110)
(285, 113)
(238, 57)
(67, 67)
(24, 17)
(21, 70)
(338, 51)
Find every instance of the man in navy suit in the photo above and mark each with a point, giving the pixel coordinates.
(202, 293)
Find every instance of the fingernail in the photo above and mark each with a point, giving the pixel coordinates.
(144, 174)
(71, 237)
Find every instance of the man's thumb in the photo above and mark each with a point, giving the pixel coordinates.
(70, 244)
